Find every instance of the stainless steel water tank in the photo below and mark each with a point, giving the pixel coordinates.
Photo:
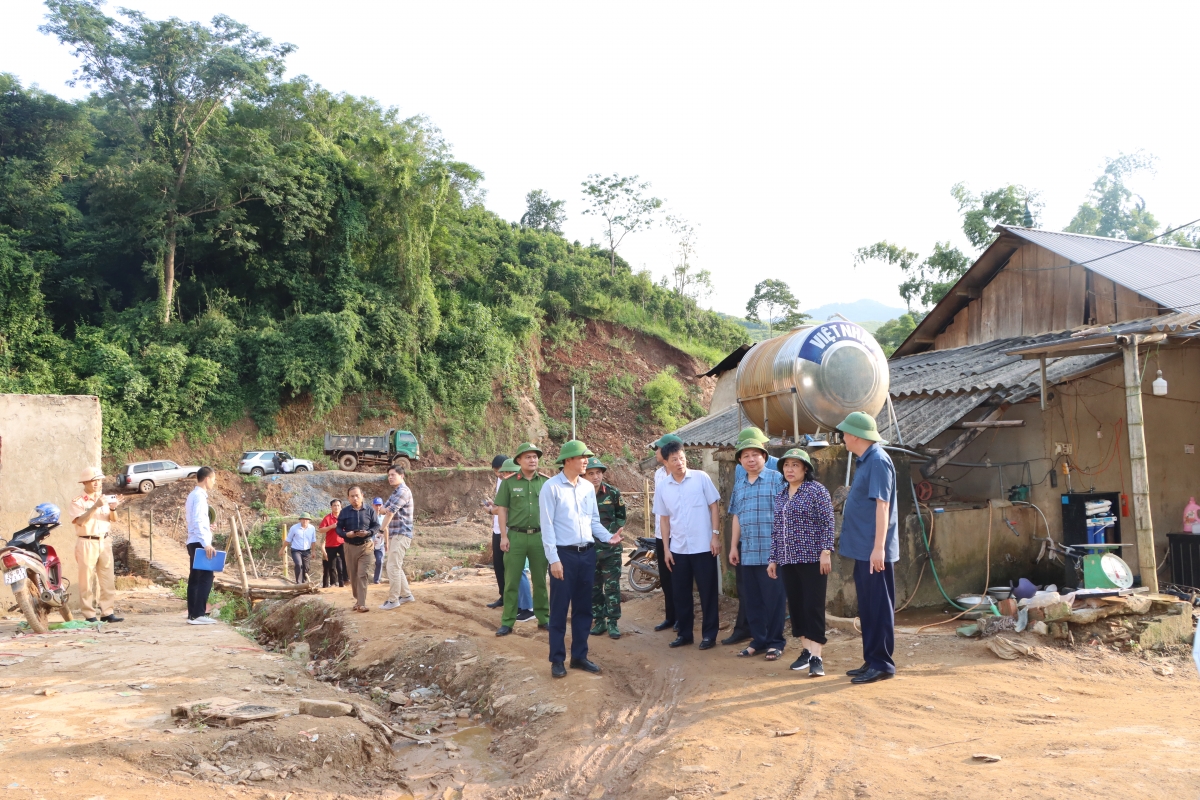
(835, 368)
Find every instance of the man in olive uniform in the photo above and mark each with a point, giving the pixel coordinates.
(521, 537)
(606, 590)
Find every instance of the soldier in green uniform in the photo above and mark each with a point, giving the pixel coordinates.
(521, 537)
(606, 590)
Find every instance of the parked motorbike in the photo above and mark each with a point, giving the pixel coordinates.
(33, 572)
(643, 566)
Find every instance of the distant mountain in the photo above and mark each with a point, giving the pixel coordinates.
(858, 311)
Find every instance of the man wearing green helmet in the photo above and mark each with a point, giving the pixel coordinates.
(521, 537)
(570, 529)
(606, 593)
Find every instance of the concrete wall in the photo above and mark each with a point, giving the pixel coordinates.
(45, 441)
(1077, 411)
(725, 392)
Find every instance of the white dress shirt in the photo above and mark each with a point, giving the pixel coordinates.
(196, 514)
(569, 515)
(660, 475)
(686, 502)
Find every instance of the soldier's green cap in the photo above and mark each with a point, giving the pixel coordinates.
(863, 426)
(752, 435)
(750, 444)
(526, 447)
(796, 453)
(596, 463)
(509, 466)
(306, 515)
(666, 438)
(573, 449)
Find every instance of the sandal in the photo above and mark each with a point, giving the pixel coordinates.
(747, 653)
(773, 654)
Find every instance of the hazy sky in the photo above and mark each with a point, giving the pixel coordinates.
(790, 134)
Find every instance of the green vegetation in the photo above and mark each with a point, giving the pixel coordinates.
(774, 297)
(216, 243)
(232, 607)
(620, 385)
(666, 397)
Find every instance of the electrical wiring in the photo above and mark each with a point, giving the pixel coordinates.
(986, 579)
(1118, 252)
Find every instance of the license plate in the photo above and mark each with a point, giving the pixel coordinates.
(17, 574)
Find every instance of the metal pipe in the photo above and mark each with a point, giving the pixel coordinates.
(795, 416)
(766, 422)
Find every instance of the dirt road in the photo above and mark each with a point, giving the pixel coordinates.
(658, 722)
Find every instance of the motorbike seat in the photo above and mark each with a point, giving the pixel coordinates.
(647, 542)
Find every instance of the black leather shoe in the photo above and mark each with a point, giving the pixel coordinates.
(854, 673)
(680, 642)
(89, 619)
(557, 670)
(543, 626)
(496, 604)
(112, 618)
(503, 630)
(871, 675)
(585, 664)
(708, 644)
(662, 626)
(734, 639)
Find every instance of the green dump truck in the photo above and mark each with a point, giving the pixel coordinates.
(351, 451)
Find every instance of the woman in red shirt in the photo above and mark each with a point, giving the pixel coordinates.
(335, 556)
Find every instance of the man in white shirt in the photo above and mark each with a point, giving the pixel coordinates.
(687, 504)
(199, 533)
(90, 512)
(570, 522)
(665, 578)
(300, 538)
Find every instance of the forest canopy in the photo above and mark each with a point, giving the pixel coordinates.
(200, 239)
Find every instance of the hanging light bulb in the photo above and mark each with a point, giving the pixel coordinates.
(1160, 385)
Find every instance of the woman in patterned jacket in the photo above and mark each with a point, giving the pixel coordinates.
(801, 549)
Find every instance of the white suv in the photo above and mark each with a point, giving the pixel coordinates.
(143, 476)
(262, 462)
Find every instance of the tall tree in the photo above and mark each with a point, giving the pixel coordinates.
(623, 205)
(174, 81)
(695, 284)
(542, 213)
(1113, 210)
(927, 281)
(773, 301)
(1008, 205)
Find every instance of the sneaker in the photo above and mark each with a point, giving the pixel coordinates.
(202, 621)
(388, 606)
(526, 615)
(802, 662)
(403, 600)
(816, 668)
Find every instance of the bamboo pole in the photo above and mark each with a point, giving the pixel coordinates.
(237, 548)
(151, 542)
(283, 549)
(249, 552)
(646, 526)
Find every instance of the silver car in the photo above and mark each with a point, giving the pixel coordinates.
(143, 476)
(262, 462)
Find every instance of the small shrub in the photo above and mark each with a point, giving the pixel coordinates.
(620, 385)
(666, 396)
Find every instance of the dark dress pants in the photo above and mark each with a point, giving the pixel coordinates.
(700, 568)
(877, 614)
(741, 628)
(498, 562)
(199, 584)
(300, 560)
(334, 568)
(574, 590)
(665, 579)
(765, 602)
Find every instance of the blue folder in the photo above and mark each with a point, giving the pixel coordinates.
(216, 563)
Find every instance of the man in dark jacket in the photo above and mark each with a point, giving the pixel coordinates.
(357, 525)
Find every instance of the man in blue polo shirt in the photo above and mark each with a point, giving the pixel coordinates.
(870, 536)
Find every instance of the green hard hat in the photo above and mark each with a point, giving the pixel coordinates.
(305, 515)
(573, 449)
(596, 463)
(750, 444)
(796, 453)
(526, 447)
(863, 426)
(666, 438)
(752, 435)
(509, 466)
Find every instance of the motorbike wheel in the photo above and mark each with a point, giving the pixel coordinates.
(641, 581)
(32, 608)
(65, 612)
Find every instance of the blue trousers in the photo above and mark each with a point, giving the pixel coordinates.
(877, 614)
(525, 591)
(378, 564)
(702, 569)
(764, 600)
(574, 590)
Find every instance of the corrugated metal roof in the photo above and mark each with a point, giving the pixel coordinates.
(933, 390)
(1170, 276)
(715, 430)
(1178, 326)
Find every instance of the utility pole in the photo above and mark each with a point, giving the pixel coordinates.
(1138, 464)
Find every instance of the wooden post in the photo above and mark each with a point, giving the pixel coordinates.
(648, 528)
(237, 548)
(151, 559)
(283, 549)
(1138, 466)
(246, 537)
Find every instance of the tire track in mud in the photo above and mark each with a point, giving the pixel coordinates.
(618, 750)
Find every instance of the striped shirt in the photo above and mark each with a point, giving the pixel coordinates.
(803, 525)
(754, 506)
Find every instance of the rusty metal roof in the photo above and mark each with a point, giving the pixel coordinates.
(1168, 275)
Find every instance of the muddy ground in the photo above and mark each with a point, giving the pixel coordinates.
(658, 723)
